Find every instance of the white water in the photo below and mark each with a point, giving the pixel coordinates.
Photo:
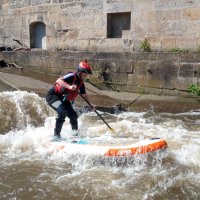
(29, 171)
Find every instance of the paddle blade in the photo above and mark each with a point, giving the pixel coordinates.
(112, 130)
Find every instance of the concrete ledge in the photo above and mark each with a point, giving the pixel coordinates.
(106, 100)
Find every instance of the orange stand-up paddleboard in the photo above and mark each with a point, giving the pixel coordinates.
(85, 147)
(138, 148)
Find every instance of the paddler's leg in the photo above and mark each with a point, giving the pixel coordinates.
(73, 117)
(58, 127)
(73, 120)
(54, 101)
(59, 120)
(74, 123)
(62, 113)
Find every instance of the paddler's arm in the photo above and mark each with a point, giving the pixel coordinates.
(64, 84)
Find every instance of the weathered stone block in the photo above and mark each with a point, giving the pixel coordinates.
(187, 70)
(168, 42)
(82, 45)
(183, 83)
(114, 66)
(93, 45)
(126, 66)
(192, 13)
(141, 67)
(12, 22)
(131, 79)
(185, 43)
(118, 79)
(110, 44)
(147, 81)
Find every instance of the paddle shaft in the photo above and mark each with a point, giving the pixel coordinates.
(95, 111)
(134, 101)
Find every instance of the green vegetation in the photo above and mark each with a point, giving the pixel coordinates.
(142, 91)
(145, 46)
(87, 80)
(178, 50)
(198, 48)
(194, 89)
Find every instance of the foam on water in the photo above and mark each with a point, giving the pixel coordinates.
(189, 154)
(35, 137)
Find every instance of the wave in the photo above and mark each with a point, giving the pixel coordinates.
(20, 108)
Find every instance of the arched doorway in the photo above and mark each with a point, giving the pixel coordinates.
(38, 35)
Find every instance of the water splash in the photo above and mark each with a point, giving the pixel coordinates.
(20, 109)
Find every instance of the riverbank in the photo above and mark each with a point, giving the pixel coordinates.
(104, 99)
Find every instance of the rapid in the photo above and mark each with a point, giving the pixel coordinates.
(29, 171)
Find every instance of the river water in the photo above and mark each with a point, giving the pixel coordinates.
(27, 171)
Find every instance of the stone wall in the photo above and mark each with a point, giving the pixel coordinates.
(82, 24)
(154, 73)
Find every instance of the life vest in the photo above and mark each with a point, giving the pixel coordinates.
(67, 93)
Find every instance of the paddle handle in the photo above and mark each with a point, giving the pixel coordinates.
(96, 112)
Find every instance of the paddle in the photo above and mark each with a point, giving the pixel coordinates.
(134, 101)
(96, 112)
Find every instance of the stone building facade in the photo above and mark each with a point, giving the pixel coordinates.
(100, 25)
(109, 33)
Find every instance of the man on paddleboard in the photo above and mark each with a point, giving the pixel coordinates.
(63, 93)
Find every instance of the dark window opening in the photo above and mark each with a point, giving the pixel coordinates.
(38, 35)
(116, 23)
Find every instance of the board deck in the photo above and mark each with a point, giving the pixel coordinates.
(84, 146)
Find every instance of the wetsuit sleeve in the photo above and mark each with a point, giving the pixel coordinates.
(82, 89)
(69, 78)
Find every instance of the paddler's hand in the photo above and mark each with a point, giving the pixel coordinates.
(73, 87)
(93, 109)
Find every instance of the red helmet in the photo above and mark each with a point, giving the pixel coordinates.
(84, 67)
